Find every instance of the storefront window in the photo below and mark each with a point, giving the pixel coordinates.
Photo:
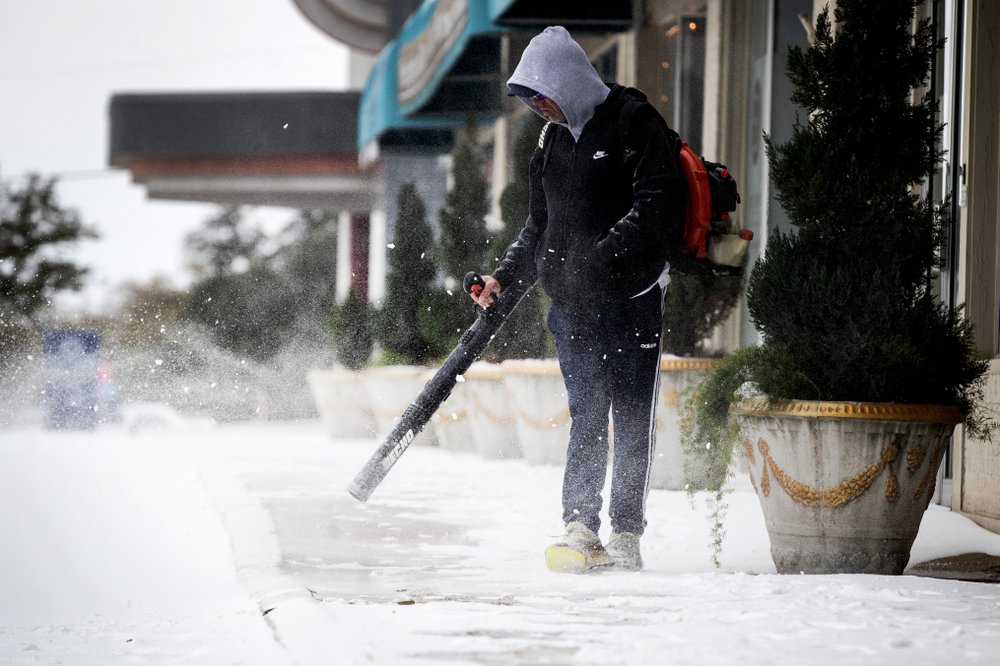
(681, 90)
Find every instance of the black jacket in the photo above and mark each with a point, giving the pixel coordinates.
(598, 230)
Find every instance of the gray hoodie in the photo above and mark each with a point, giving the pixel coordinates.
(556, 66)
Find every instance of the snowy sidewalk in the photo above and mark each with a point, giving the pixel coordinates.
(442, 565)
(111, 554)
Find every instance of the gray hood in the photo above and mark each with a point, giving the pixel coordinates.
(556, 66)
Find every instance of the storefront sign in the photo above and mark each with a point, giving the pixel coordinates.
(421, 57)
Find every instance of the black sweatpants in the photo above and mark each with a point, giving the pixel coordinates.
(610, 361)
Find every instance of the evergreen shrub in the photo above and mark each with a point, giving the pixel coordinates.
(351, 328)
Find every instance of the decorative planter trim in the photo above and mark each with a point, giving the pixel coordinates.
(530, 367)
(843, 485)
(493, 417)
(538, 422)
(406, 371)
(672, 364)
(872, 411)
(536, 396)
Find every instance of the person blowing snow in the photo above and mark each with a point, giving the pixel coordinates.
(597, 238)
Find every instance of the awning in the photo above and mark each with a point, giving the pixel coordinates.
(603, 15)
(443, 67)
(275, 149)
(361, 24)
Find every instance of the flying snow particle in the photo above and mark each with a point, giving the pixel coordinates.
(459, 378)
(30, 357)
(285, 126)
(391, 246)
(158, 361)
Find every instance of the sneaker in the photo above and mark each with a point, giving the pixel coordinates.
(578, 551)
(624, 548)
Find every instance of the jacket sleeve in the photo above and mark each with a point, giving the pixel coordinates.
(651, 157)
(518, 261)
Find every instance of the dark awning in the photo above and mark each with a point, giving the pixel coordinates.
(604, 15)
(282, 149)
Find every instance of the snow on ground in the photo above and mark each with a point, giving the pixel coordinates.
(112, 554)
(240, 545)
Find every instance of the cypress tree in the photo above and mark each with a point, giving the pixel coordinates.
(463, 244)
(409, 279)
(845, 301)
(446, 311)
(525, 333)
(351, 328)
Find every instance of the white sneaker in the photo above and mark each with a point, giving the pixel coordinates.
(578, 551)
(624, 548)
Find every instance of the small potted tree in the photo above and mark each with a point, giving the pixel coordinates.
(405, 349)
(845, 411)
(519, 378)
(462, 245)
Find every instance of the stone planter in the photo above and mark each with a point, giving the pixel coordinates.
(538, 401)
(490, 415)
(342, 402)
(676, 375)
(844, 485)
(392, 388)
(450, 422)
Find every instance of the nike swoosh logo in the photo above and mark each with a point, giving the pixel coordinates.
(599, 154)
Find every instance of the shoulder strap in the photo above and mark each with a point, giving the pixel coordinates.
(541, 136)
(545, 146)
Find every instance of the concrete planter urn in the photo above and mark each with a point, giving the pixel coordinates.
(489, 410)
(342, 402)
(844, 485)
(537, 397)
(392, 388)
(451, 420)
(676, 375)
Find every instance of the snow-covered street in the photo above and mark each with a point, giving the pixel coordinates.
(239, 544)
